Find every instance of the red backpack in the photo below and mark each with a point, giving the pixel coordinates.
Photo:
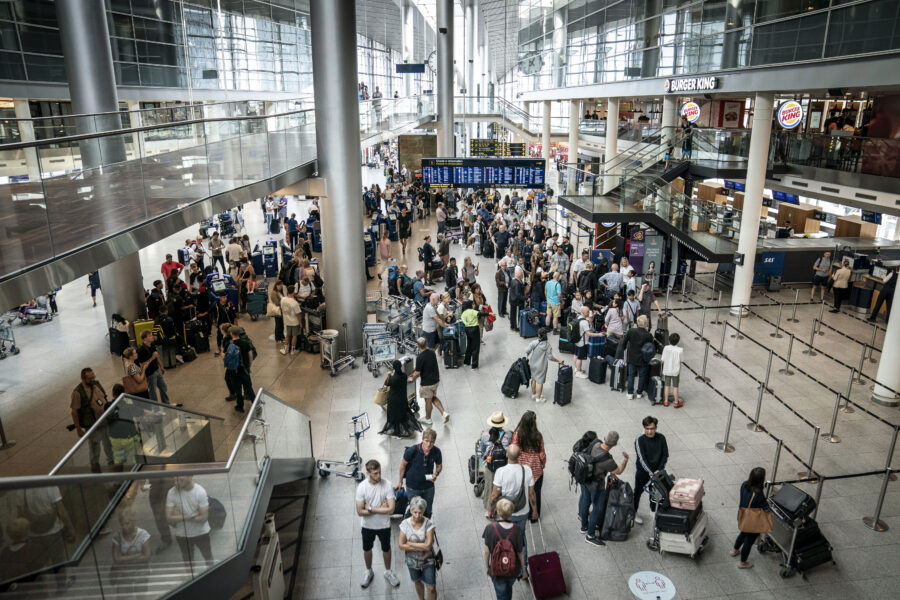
(503, 556)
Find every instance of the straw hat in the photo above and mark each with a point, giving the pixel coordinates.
(497, 419)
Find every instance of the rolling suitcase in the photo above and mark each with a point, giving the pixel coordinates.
(656, 368)
(526, 329)
(794, 502)
(451, 353)
(596, 346)
(658, 488)
(812, 555)
(661, 337)
(597, 370)
(118, 341)
(201, 343)
(691, 544)
(619, 516)
(562, 393)
(655, 390)
(618, 376)
(677, 520)
(511, 383)
(564, 375)
(566, 346)
(139, 328)
(686, 493)
(547, 580)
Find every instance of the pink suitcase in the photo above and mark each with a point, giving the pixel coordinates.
(686, 493)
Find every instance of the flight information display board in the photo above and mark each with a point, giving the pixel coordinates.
(484, 172)
(489, 147)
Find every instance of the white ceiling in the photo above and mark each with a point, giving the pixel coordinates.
(503, 30)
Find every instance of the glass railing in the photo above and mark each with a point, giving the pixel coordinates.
(388, 114)
(151, 524)
(723, 146)
(840, 151)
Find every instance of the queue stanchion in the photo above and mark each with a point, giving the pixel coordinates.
(724, 446)
(875, 523)
(702, 376)
(765, 384)
(718, 320)
(787, 361)
(859, 369)
(872, 343)
(818, 497)
(754, 424)
(830, 437)
(737, 332)
(794, 318)
(699, 336)
(820, 320)
(847, 409)
(808, 474)
(684, 297)
(812, 338)
(776, 333)
(775, 460)
(890, 455)
(720, 353)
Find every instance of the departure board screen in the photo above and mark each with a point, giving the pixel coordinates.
(484, 172)
(485, 148)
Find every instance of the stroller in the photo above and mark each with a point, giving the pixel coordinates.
(226, 225)
(7, 339)
(476, 470)
(31, 313)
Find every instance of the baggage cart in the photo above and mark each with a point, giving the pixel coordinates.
(358, 427)
(783, 539)
(331, 356)
(7, 339)
(256, 304)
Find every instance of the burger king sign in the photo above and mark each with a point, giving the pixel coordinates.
(691, 111)
(790, 114)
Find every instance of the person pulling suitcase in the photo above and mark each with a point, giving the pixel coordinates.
(652, 454)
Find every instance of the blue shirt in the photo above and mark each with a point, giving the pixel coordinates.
(292, 225)
(418, 286)
(612, 280)
(552, 289)
(418, 466)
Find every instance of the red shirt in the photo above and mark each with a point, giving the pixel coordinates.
(169, 266)
(536, 460)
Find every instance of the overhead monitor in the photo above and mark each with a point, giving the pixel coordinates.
(410, 67)
(484, 172)
(870, 216)
(786, 197)
(218, 286)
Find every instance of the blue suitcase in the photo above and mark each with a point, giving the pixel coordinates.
(596, 346)
(526, 329)
(257, 260)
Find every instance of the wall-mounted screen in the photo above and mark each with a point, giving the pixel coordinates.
(786, 197)
(484, 172)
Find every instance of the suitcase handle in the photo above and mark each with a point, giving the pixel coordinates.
(541, 530)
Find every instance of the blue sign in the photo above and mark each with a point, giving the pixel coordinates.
(819, 215)
(483, 172)
(786, 197)
(734, 185)
(770, 263)
(870, 216)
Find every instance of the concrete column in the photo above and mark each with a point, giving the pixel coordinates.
(333, 31)
(888, 373)
(571, 178)
(446, 145)
(669, 116)
(134, 107)
(87, 56)
(407, 42)
(756, 179)
(560, 23)
(611, 148)
(545, 137)
(26, 134)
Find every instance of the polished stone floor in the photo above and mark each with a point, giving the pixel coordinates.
(37, 383)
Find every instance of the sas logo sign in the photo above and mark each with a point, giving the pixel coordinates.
(769, 259)
(691, 111)
(790, 114)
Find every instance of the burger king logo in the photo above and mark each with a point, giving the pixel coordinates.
(790, 114)
(666, 85)
(691, 111)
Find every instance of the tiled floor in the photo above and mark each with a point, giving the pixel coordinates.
(37, 384)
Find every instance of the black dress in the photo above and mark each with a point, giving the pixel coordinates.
(401, 421)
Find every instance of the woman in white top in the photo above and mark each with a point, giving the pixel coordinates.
(135, 373)
(615, 320)
(131, 544)
(417, 540)
(304, 289)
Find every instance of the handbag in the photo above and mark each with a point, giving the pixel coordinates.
(273, 310)
(437, 553)
(381, 396)
(754, 520)
(132, 386)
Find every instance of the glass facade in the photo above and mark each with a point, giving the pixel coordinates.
(565, 43)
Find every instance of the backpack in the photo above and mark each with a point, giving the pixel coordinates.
(503, 556)
(648, 351)
(408, 287)
(232, 357)
(216, 515)
(86, 412)
(496, 458)
(581, 465)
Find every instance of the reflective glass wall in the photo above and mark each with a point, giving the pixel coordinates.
(564, 43)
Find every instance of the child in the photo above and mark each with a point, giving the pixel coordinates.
(671, 368)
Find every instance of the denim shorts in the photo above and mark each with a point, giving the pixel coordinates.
(426, 575)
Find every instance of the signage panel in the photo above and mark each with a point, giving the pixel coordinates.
(690, 84)
(790, 114)
(786, 197)
(691, 111)
(870, 216)
(484, 172)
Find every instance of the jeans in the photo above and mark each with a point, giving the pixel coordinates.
(155, 382)
(522, 521)
(503, 587)
(426, 494)
(745, 542)
(279, 329)
(473, 346)
(98, 438)
(640, 480)
(243, 381)
(591, 499)
(642, 371)
(219, 260)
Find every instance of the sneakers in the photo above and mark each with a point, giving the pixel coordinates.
(446, 417)
(584, 530)
(638, 520)
(283, 351)
(665, 402)
(428, 422)
(679, 404)
(594, 540)
(539, 399)
(581, 374)
(533, 398)
(630, 396)
(391, 578)
(367, 578)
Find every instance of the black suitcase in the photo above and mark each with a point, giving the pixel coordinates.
(597, 370)
(511, 383)
(794, 502)
(655, 390)
(813, 555)
(192, 331)
(451, 353)
(189, 355)
(656, 368)
(564, 375)
(201, 343)
(661, 337)
(566, 346)
(808, 534)
(658, 488)
(118, 341)
(677, 520)
(562, 393)
(487, 249)
(275, 227)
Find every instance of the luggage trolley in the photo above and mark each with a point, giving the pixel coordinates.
(784, 539)
(381, 347)
(359, 425)
(331, 358)
(7, 339)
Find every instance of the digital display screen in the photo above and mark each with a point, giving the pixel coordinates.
(488, 148)
(734, 185)
(786, 197)
(483, 172)
(870, 216)
(268, 251)
(218, 286)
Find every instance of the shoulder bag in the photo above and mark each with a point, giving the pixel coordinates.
(754, 520)
(132, 386)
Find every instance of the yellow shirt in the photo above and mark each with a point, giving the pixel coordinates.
(469, 317)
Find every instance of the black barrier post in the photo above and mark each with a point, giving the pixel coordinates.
(737, 332)
(875, 523)
(818, 496)
(702, 377)
(812, 338)
(776, 333)
(808, 474)
(847, 409)
(702, 324)
(775, 461)
(830, 437)
(6, 444)
(683, 290)
(890, 455)
(787, 361)
(872, 343)
(754, 424)
(794, 318)
(725, 446)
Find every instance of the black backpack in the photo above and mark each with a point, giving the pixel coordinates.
(496, 458)
(581, 464)
(408, 285)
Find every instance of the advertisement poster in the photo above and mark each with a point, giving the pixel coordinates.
(654, 246)
(731, 116)
(882, 156)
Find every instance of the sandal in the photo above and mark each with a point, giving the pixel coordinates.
(679, 404)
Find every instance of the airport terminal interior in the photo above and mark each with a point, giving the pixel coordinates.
(281, 277)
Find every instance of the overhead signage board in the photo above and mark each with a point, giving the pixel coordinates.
(690, 84)
(871, 217)
(484, 172)
(790, 114)
(734, 185)
(485, 148)
(691, 111)
(410, 67)
(786, 197)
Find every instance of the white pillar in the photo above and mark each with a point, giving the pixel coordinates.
(756, 179)
(571, 178)
(888, 373)
(446, 145)
(26, 134)
(407, 42)
(611, 148)
(545, 137)
(669, 116)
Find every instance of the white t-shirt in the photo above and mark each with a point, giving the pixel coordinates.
(189, 502)
(129, 548)
(290, 310)
(418, 536)
(584, 325)
(671, 360)
(374, 495)
(429, 325)
(41, 501)
(509, 479)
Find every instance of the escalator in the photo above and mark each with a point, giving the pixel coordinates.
(103, 525)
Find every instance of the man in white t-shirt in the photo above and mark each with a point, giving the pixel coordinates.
(187, 510)
(429, 321)
(509, 481)
(375, 505)
(290, 312)
(49, 526)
